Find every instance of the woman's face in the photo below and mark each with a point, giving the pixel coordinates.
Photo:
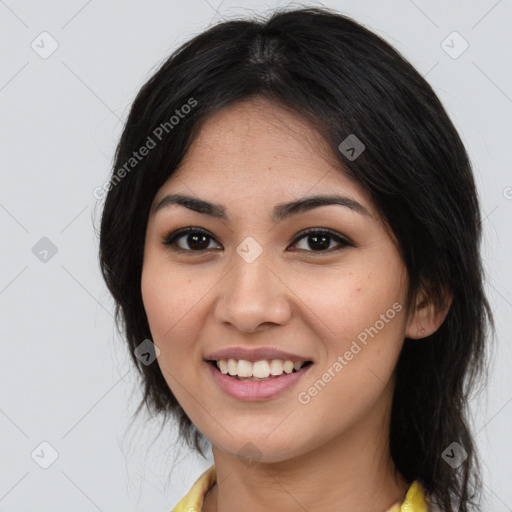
(253, 280)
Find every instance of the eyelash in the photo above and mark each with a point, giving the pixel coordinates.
(170, 239)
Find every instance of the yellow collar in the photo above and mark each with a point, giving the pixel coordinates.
(415, 500)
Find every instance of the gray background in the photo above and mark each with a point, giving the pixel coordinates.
(66, 377)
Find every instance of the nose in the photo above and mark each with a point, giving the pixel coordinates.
(253, 296)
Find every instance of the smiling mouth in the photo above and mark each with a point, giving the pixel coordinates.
(295, 369)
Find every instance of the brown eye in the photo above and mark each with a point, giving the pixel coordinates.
(195, 239)
(198, 240)
(320, 240)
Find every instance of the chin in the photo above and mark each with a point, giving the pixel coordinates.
(260, 449)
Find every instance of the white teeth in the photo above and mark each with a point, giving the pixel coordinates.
(259, 369)
(276, 367)
(232, 367)
(288, 366)
(223, 366)
(244, 368)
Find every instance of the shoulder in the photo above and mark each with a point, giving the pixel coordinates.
(417, 500)
(193, 500)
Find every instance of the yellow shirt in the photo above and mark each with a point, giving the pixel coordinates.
(415, 500)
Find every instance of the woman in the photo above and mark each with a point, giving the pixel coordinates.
(291, 235)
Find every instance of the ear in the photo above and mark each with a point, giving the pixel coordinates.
(425, 319)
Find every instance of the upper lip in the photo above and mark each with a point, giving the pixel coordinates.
(254, 354)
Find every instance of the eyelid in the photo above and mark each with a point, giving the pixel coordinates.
(170, 238)
(335, 235)
(343, 241)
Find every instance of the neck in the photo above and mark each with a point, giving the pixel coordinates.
(352, 472)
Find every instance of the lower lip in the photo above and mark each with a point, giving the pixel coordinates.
(252, 390)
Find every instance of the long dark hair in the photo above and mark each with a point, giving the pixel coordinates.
(344, 80)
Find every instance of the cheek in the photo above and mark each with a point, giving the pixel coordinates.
(169, 298)
(348, 303)
(364, 312)
(159, 305)
(169, 305)
(174, 300)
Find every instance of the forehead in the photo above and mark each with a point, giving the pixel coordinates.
(263, 128)
(258, 148)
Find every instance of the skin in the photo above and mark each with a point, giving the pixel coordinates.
(331, 454)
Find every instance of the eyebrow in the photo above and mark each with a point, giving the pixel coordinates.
(281, 211)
